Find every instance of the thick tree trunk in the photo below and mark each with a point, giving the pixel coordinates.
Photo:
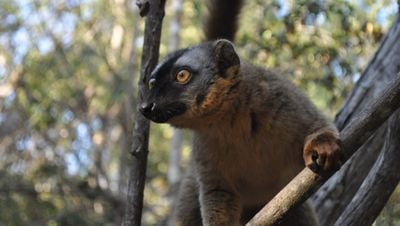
(333, 197)
(154, 9)
(380, 183)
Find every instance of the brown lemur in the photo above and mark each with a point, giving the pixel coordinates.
(253, 129)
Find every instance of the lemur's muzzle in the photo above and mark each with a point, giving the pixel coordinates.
(161, 113)
(146, 109)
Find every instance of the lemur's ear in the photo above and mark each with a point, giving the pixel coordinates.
(227, 60)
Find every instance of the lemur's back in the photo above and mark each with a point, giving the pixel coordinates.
(288, 102)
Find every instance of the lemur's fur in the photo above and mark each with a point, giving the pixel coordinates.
(253, 130)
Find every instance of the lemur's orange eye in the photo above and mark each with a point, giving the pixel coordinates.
(183, 76)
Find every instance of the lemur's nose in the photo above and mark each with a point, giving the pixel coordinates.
(146, 108)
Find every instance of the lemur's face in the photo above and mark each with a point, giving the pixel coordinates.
(189, 84)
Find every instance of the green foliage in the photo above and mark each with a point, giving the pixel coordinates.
(68, 74)
(327, 43)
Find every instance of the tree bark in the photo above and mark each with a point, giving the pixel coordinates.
(380, 183)
(333, 197)
(338, 191)
(353, 136)
(154, 9)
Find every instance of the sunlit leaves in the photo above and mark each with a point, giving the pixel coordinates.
(324, 42)
(65, 67)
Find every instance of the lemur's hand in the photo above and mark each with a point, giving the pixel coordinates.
(322, 152)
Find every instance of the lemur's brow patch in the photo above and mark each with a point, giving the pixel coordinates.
(165, 66)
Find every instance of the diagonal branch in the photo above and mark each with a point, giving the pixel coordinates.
(332, 198)
(380, 183)
(353, 136)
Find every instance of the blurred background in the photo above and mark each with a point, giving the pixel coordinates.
(68, 75)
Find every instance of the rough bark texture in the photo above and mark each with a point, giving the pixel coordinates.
(353, 136)
(154, 9)
(380, 183)
(299, 187)
(338, 191)
(333, 197)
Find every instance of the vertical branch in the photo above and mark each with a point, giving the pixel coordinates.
(154, 10)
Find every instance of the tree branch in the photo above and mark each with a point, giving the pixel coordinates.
(353, 136)
(332, 198)
(139, 150)
(380, 182)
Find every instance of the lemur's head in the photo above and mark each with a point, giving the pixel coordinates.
(191, 84)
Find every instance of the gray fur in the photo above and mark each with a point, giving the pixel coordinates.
(250, 130)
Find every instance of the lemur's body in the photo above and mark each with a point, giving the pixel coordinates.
(253, 130)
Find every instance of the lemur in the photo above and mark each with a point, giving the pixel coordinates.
(253, 129)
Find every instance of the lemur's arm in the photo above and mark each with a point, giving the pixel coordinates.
(222, 20)
(321, 151)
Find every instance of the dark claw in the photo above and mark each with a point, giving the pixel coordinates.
(314, 156)
(314, 167)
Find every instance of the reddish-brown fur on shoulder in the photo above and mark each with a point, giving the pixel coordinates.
(214, 100)
(215, 94)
